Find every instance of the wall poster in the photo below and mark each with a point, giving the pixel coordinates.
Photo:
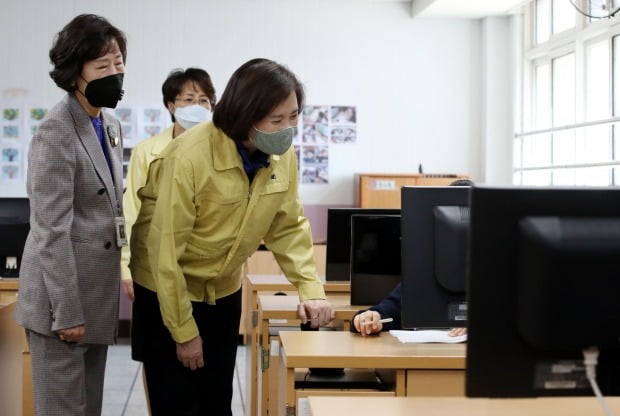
(322, 126)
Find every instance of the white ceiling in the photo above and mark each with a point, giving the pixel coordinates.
(472, 9)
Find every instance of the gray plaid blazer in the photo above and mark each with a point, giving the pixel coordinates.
(70, 270)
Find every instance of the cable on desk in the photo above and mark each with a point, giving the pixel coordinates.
(590, 359)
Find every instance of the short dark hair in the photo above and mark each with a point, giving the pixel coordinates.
(83, 39)
(174, 84)
(462, 182)
(253, 91)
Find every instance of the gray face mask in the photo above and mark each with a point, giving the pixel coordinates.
(276, 143)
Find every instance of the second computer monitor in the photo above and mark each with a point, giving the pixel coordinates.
(435, 225)
(338, 250)
(375, 257)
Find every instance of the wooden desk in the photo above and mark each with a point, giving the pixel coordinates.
(8, 290)
(269, 284)
(263, 263)
(283, 309)
(344, 349)
(9, 361)
(15, 370)
(461, 406)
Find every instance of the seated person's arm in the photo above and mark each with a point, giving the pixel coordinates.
(367, 322)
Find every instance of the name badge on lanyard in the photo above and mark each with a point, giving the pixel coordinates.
(121, 235)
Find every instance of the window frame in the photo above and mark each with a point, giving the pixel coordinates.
(576, 41)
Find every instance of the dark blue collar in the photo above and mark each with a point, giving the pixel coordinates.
(252, 162)
(98, 125)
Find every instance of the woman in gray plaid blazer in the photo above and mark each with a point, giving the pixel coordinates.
(69, 279)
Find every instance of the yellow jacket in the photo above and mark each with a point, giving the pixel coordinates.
(141, 157)
(201, 219)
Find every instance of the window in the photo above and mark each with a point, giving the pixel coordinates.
(552, 17)
(543, 23)
(564, 16)
(571, 125)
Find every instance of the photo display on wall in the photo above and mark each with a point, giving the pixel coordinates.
(19, 121)
(137, 124)
(321, 127)
(13, 142)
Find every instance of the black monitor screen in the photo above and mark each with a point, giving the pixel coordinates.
(14, 228)
(375, 257)
(544, 283)
(338, 250)
(435, 225)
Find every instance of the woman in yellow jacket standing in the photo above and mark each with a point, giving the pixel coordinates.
(209, 201)
(189, 96)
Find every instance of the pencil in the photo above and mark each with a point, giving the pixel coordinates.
(383, 321)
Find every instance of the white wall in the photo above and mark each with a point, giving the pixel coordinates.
(417, 83)
(499, 88)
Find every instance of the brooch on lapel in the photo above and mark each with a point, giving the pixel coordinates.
(113, 135)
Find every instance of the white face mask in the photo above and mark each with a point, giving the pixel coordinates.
(191, 115)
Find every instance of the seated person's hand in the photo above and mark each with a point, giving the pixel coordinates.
(367, 323)
(457, 332)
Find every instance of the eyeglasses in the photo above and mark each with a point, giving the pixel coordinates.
(189, 101)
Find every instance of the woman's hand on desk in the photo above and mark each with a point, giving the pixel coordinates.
(367, 323)
(190, 353)
(318, 312)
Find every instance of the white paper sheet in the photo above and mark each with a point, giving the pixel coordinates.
(427, 335)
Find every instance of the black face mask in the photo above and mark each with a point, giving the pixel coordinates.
(105, 92)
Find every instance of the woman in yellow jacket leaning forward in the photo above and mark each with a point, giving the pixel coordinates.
(209, 200)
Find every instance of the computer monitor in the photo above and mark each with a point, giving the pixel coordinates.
(375, 257)
(435, 224)
(338, 249)
(543, 283)
(14, 228)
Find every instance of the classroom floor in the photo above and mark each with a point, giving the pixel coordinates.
(123, 393)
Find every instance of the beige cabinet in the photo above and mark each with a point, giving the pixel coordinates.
(378, 190)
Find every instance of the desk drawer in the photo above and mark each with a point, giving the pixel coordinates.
(435, 383)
